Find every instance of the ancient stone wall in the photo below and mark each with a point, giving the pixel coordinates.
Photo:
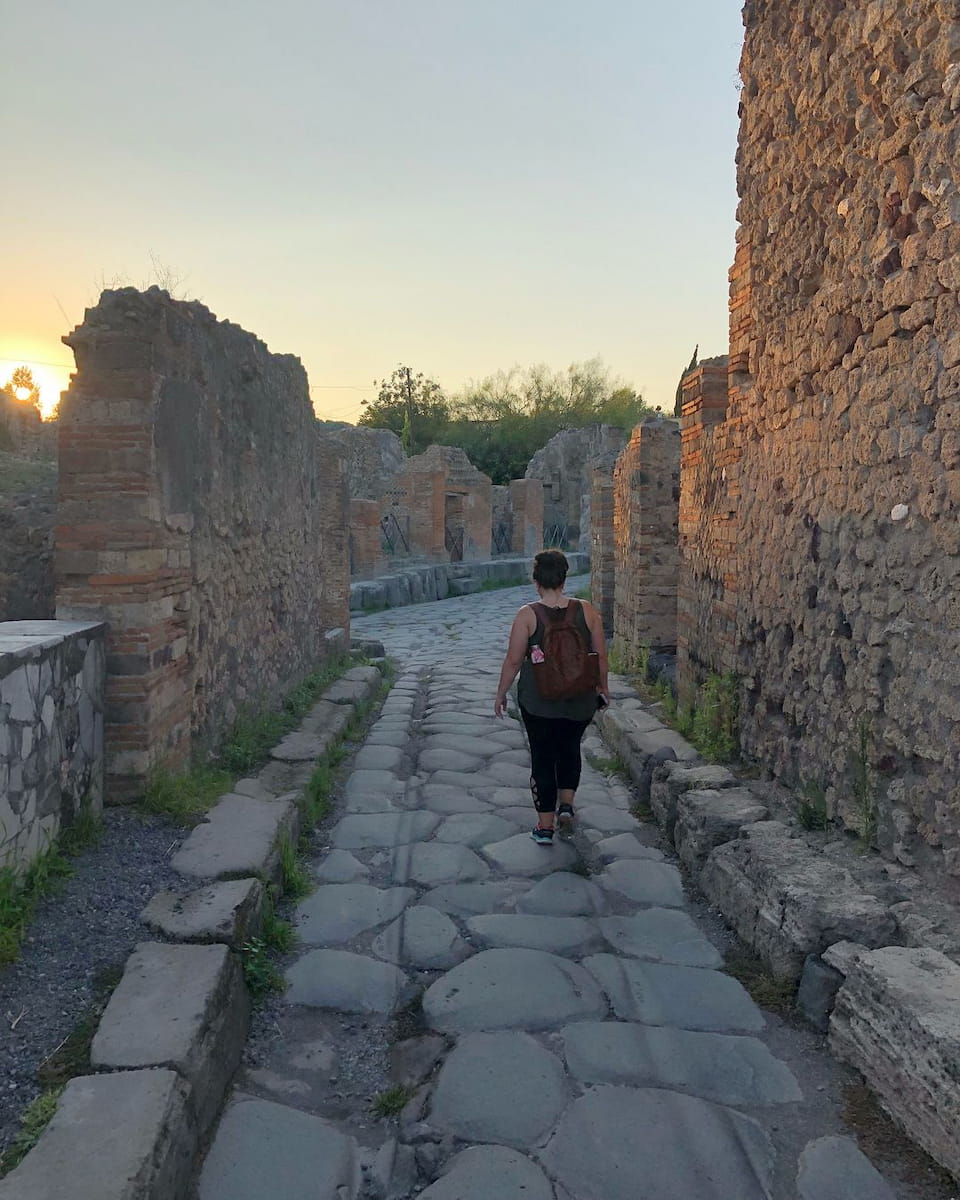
(467, 500)
(372, 457)
(646, 557)
(27, 520)
(845, 403)
(565, 468)
(202, 514)
(603, 556)
(526, 515)
(51, 732)
(23, 432)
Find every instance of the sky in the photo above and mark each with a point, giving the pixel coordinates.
(463, 186)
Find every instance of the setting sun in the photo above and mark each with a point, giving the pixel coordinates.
(50, 381)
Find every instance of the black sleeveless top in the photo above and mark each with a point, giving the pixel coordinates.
(578, 708)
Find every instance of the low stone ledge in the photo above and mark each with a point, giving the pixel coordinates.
(182, 1007)
(897, 1021)
(113, 1137)
(706, 819)
(643, 743)
(672, 779)
(230, 912)
(239, 838)
(785, 901)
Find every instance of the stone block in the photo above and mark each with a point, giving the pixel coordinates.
(672, 779)
(708, 818)
(240, 838)
(230, 912)
(817, 992)
(833, 1168)
(786, 901)
(897, 1021)
(126, 1136)
(184, 1007)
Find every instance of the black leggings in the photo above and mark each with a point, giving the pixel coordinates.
(554, 757)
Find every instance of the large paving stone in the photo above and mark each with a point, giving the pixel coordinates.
(686, 997)
(443, 798)
(422, 937)
(715, 1066)
(433, 863)
(606, 818)
(563, 894)
(508, 774)
(509, 797)
(645, 882)
(834, 1168)
(113, 1137)
(448, 760)
(470, 899)
(264, 1149)
(478, 747)
(512, 989)
(363, 831)
(720, 1154)
(625, 846)
(475, 783)
(238, 839)
(474, 829)
(348, 982)
(177, 1006)
(708, 818)
(338, 912)
(499, 1087)
(786, 900)
(230, 911)
(661, 935)
(520, 855)
(897, 1021)
(369, 782)
(557, 935)
(301, 746)
(340, 866)
(378, 758)
(490, 1173)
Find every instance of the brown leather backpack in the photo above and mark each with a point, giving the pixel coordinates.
(570, 666)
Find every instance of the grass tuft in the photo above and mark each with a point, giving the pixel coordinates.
(294, 880)
(35, 1119)
(184, 798)
(769, 992)
(391, 1103)
(260, 972)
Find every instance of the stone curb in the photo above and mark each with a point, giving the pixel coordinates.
(172, 1034)
(891, 1011)
(437, 581)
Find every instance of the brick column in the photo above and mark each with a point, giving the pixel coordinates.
(366, 553)
(602, 547)
(526, 502)
(120, 557)
(645, 538)
(477, 509)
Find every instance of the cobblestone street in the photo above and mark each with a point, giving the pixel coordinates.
(577, 1038)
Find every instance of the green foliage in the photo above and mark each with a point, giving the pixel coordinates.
(185, 797)
(260, 972)
(609, 764)
(35, 1119)
(770, 992)
(714, 728)
(294, 880)
(583, 594)
(390, 1103)
(21, 892)
(863, 784)
(315, 803)
(413, 406)
(278, 935)
(21, 474)
(812, 807)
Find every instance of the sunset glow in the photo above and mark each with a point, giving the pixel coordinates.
(50, 380)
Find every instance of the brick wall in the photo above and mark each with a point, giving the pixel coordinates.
(646, 557)
(844, 408)
(366, 554)
(603, 556)
(202, 514)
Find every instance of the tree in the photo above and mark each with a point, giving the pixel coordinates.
(22, 387)
(413, 406)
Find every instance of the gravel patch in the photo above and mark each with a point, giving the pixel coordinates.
(92, 924)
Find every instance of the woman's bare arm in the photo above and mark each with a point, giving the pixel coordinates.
(524, 623)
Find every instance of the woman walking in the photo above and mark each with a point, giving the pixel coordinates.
(555, 727)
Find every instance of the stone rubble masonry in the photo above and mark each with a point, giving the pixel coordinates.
(565, 466)
(372, 457)
(203, 514)
(366, 552)
(835, 473)
(897, 1021)
(603, 559)
(27, 522)
(51, 732)
(645, 538)
(24, 432)
(526, 513)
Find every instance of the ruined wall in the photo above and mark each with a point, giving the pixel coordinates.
(565, 468)
(467, 500)
(27, 519)
(202, 514)
(603, 555)
(646, 556)
(23, 431)
(526, 509)
(845, 384)
(707, 582)
(372, 457)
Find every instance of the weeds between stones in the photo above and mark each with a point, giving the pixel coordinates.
(72, 1056)
(21, 893)
(863, 786)
(776, 995)
(812, 807)
(608, 764)
(295, 882)
(392, 1101)
(35, 1119)
(261, 974)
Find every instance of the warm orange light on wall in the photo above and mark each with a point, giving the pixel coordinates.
(50, 380)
